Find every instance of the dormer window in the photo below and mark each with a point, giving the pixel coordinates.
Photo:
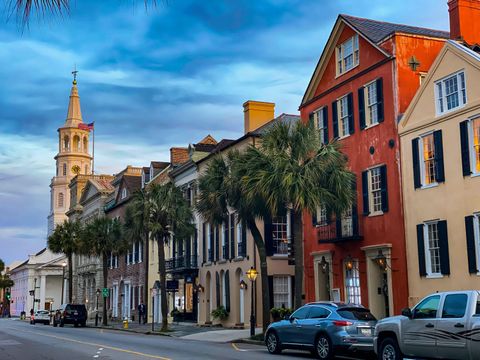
(347, 55)
(124, 193)
(450, 93)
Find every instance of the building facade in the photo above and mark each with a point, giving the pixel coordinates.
(366, 76)
(440, 141)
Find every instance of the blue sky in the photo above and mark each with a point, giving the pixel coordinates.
(152, 80)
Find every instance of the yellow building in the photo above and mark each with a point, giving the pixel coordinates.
(440, 157)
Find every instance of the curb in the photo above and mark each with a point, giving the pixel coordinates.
(248, 341)
(130, 331)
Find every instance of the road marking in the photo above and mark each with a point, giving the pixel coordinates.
(99, 345)
(9, 342)
(237, 348)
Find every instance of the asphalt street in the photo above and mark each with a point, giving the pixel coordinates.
(21, 341)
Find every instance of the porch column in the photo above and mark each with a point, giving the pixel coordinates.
(43, 287)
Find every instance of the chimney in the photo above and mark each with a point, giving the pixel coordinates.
(465, 20)
(257, 113)
(178, 155)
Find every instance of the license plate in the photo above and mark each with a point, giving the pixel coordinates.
(366, 331)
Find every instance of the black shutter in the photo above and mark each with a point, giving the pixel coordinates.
(383, 185)
(351, 122)
(472, 258)
(204, 242)
(270, 290)
(416, 164)
(232, 236)
(244, 238)
(217, 286)
(292, 218)
(361, 108)
(380, 107)
(311, 119)
(465, 148)
(355, 220)
(421, 251)
(338, 226)
(443, 243)
(335, 119)
(314, 218)
(226, 232)
(268, 234)
(211, 239)
(217, 243)
(227, 290)
(439, 167)
(325, 124)
(366, 203)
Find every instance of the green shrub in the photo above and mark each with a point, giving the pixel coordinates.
(220, 313)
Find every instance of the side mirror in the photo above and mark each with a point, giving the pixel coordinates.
(289, 318)
(407, 312)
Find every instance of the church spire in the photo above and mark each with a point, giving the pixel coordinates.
(74, 114)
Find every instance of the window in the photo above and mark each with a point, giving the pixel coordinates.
(281, 233)
(241, 251)
(421, 77)
(428, 160)
(428, 308)
(352, 284)
(374, 188)
(301, 313)
(432, 249)
(320, 120)
(428, 167)
(344, 116)
(470, 146)
(347, 223)
(372, 106)
(124, 193)
(455, 306)
(64, 169)
(281, 291)
(209, 242)
(475, 136)
(317, 312)
(322, 216)
(223, 241)
(472, 227)
(347, 55)
(60, 200)
(451, 93)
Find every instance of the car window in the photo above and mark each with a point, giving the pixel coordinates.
(301, 313)
(356, 314)
(455, 306)
(428, 308)
(477, 310)
(317, 312)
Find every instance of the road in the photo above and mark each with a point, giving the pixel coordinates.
(21, 341)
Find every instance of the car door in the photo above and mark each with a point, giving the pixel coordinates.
(316, 321)
(452, 326)
(419, 336)
(292, 332)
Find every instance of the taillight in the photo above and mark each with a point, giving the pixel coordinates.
(342, 323)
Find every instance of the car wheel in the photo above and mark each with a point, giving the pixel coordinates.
(273, 344)
(323, 347)
(389, 350)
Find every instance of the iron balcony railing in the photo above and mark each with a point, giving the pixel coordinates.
(181, 263)
(342, 229)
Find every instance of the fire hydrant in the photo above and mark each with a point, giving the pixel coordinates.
(125, 324)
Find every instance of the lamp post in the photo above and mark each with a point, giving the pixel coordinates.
(64, 265)
(252, 276)
(96, 314)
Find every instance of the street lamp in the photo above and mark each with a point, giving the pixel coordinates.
(64, 265)
(96, 315)
(252, 276)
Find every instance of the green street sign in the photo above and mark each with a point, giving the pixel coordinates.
(105, 292)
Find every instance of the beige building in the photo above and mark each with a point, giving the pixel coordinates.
(440, 155)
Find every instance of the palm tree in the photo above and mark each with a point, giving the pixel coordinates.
(65, 239)
(293, 168)
(220, 190)
(169, 218)
(102, 237)
(136, 227)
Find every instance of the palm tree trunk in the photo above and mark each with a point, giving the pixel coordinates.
(70, 277)
(105, 274)
(163, 283)
(262, 254)
(145, 286)
(298, 249)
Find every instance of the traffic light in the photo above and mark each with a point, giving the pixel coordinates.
(8, 296)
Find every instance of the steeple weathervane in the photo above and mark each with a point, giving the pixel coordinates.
(74, 72)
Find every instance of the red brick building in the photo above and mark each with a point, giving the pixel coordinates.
(366, 76)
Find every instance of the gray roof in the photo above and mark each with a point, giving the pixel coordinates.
(288, 118)
(379, 30)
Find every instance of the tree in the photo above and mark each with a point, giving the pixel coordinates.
(169, 218)
(293, 168)
(5, 283)
(101, 237)
(136, 227)
(220, 190)
(66, 239)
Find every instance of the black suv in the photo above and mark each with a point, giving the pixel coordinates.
(75, 314)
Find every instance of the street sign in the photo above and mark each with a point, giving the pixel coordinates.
(105, 292)
(172, 285)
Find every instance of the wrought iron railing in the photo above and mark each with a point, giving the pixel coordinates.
(181, 262)
(341, 229)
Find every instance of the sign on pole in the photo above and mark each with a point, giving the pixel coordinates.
(105, 292)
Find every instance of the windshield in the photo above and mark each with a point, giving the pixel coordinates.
(356, 314)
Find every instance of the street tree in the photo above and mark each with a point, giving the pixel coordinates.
(293, 168)
(5, 283)
(66, 239)
(102, 237)
(220, 192)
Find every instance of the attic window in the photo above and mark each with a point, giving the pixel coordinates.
(124, 193)
(347, 55)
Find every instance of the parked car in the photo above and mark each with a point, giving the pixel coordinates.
(40, 316)
(75, 314)
(443, 325)
(324, 328)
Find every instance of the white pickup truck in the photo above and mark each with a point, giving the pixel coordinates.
(443, 325)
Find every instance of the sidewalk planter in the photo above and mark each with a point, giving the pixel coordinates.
(280, 313)
(220, 313)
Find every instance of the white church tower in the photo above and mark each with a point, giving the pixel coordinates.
(73, 158)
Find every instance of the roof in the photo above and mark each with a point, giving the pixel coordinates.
(288, 118)
(159, 164)
(204, 147)
(133, 183)
(378, 30)
(209, 139)
(102, 185)
(146, 170)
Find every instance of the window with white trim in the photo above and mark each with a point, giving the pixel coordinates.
(343, 129)
(427, 157)
(281, 233)
(239, 237)
(450, 93)
(347, 55)
(321, 123)
(476, 234)
(222, 235)
(432, 248)
(371, 102)
(347, 223)
(281, 291)
(124, 193)
(352, 284)
(474, 130)
(322, 215)
(375, 190)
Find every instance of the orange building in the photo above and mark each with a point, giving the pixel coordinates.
(366, 77)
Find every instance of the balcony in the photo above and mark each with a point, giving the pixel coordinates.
(181, 263)
(342, 229)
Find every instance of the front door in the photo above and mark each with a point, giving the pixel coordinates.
(419, 332)
(453, 321)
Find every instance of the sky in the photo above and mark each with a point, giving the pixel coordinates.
(152, 79)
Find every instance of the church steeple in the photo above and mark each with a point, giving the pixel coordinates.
(74, 114)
